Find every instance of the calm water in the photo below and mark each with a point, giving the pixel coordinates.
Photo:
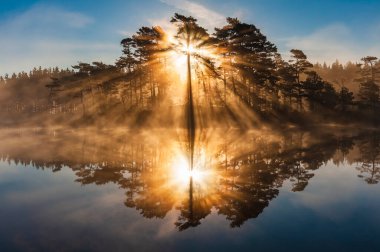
(116, 190)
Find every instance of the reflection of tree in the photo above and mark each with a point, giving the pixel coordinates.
(247, 169)
(249, 182)
(345, 145)
(147, 187)
(194, 208)
(370, 158)
(253, 180)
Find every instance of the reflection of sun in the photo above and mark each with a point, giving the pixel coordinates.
(181, 172)
(180, 178)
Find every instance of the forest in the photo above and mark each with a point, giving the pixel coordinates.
(236, 78)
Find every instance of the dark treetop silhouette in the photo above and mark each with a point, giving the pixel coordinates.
(233, 77)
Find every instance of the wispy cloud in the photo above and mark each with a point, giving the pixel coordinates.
(336, 41)
(209, 18)
(48, 36)
(41, 16)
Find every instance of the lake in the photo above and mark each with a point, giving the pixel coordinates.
(128, 190)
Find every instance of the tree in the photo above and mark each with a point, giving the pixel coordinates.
(316, 90)
(286, 75)
(190, 36)
(369, 94)
(346, 98)
(370, 70)
(248, 55)
(369, 91)
(299, 64)
(127, 61)
(313, 86)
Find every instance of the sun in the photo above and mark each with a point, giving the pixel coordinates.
(179, 61)
(189, 49)
(178, 57)
(179, 49)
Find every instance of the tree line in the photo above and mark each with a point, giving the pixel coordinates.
(236, 64)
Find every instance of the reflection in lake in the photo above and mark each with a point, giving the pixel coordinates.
(235, 175)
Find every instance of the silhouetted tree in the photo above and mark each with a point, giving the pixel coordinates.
(248, 58)
(300, 64)
(369, 92)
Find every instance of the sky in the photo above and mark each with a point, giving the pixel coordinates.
(64, 32)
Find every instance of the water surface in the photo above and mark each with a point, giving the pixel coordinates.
(115, 189)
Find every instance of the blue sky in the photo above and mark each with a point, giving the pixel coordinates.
(61, 33)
